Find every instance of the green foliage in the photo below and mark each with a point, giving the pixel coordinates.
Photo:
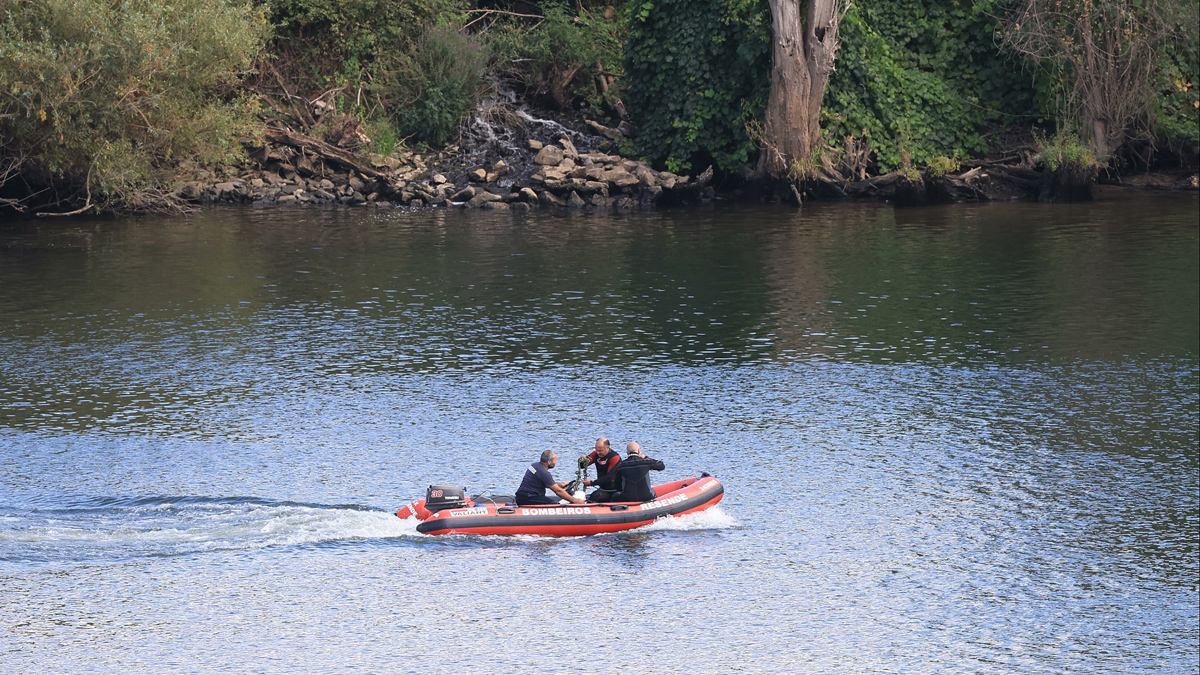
(1064, 150)
(940, 166)
(1176, 110)
(121, 92)
(324, 43)
(922, 77)
(697, 74)
(558, 56)
(406, 63)
(441, 83)
(384, 138)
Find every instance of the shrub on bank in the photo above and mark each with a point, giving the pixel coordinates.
(698, 75)
(560, 56)
(443, 83)
(107, 98)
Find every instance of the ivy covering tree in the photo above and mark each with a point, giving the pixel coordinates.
(696, 73)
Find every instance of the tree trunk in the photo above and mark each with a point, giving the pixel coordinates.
(804, 53)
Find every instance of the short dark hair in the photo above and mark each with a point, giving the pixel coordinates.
(547, 455)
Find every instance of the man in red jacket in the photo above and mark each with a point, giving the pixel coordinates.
(606, 461)
(630, 478)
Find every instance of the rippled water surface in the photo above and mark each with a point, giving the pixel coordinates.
(960, 439)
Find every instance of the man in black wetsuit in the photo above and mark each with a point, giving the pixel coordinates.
(537, 479)
(630, 478)
(606, 461)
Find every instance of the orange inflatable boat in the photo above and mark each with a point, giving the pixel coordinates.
(446, 510)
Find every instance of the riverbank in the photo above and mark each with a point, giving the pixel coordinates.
(532, 162)
(538, 163)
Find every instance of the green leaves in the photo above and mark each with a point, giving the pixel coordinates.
(697, 73)
(120, 93)
(922, 79)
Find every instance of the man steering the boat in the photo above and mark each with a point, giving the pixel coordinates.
(537, 479)
(606, 462)
(630, 478)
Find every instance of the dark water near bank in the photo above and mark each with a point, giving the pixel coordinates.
(960, 439)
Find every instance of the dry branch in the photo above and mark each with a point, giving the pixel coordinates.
(323, 150)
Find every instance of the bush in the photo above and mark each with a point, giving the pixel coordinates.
(1064, 150)
(111, 96)
(1175, 111)
(328, 43)
(698, 74)
(428, 94)
(922, 77)
(559, 56)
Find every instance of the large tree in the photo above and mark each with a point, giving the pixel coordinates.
(805, 46)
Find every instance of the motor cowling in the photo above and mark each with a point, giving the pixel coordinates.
(441, 497)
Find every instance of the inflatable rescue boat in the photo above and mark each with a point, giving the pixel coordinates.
(447, 510)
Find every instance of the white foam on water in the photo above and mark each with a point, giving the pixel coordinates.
(710, 519)
(197, 528)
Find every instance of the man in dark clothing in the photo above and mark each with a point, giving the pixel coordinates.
(537, 479)
(606, 461)
(630, 478)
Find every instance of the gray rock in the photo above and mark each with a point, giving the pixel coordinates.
(356, 184)
(519, 207)
(477, 175)
(463, 195)
(595, 186)
(304, 165)
(191, 191)
(549, 156)
(528, 195)
(567, 146)
(438, 179)
(620, 178)
(575, 201)
(286, 199)
(645, 177)
(484, 200)
(548, 198)
(500, 168)
(535, 145)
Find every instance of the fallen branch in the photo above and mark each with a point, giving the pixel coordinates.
(321, 149)
(87, 205)
(484, 13)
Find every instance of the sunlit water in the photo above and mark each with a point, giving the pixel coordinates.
(960, 439)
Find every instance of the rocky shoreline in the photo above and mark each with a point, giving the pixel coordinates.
(540, 164)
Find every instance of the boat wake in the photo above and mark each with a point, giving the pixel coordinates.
(714, 518)
(107, 529)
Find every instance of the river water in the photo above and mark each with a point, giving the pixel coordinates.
(956, 439)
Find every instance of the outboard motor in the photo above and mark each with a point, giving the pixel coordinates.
(440, 497)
